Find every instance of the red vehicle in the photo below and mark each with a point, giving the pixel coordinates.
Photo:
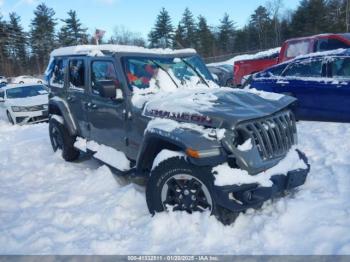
(291, 49)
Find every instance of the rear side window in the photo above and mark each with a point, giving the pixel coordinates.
(309, 68)
(77, 73)
(297, 48)
(330, 44)
(57, 76)
(2, 94)
(341, 67)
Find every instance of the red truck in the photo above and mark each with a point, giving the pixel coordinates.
(289, 50)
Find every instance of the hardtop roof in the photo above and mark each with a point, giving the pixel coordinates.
(99, 50)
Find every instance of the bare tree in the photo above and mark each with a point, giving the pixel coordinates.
(123, 36)
(274, 7)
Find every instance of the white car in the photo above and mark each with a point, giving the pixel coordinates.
(26, 80)
(3, 80)
(24, 103)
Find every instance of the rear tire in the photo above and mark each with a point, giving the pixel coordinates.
(61, 139)
(21, 82)
(178, 184)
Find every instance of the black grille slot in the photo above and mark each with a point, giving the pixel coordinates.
(273, 136)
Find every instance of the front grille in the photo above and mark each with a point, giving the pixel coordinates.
(273, 136)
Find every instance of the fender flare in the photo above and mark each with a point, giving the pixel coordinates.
(58, 106)
(152, 144)
(156, 140)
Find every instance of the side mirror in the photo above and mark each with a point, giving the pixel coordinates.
(107, 89)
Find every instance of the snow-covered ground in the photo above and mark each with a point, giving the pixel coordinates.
(48, 206)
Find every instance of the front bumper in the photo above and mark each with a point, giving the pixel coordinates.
(22, 118)
(239, 198)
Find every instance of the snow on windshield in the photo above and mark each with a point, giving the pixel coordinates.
(25, 91)
(166, 76)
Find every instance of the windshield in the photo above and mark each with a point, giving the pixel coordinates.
(141, 70)
(25, 91)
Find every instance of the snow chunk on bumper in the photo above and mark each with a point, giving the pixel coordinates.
(227, 176)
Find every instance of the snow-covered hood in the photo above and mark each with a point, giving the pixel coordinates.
(29, 101)
(215, 107)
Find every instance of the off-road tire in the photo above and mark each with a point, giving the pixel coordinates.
(69, 153)
(179, 166)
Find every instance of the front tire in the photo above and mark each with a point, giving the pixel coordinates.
(178, 185)
(62, 140)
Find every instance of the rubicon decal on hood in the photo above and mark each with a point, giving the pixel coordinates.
(186, 117)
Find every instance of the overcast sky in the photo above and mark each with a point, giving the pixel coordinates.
(137, 15)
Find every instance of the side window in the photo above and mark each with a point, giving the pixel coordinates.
(57, 77)
(341, 67)
(330, 44)
(103, 72)
(2, 94)
(297, 48)
(77, 73)
(309, 68)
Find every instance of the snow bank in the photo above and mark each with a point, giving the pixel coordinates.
(97, 50)
(226, 176)
(48, 206)
(104, 153)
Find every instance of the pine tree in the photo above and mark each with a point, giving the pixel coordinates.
(72, 32)
(162, 33)
(42, 35)
(4, 47)
(226, 34)
(263, 25)
(17, 44)
(179, 37)
(310, 18)
(205, 38)
(187, 28)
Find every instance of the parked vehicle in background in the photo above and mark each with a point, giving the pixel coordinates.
(224, 74)
(291, 49)
(3, 80)
(320, 82)
(24, 104)
(26, 80)
(158, 115)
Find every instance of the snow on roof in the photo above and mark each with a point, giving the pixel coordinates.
(97, 50)
(258, 55)
(325, 53)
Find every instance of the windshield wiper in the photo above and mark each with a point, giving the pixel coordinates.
(166, 71)
(196, 71)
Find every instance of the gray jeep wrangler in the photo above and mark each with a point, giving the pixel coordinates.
(157, 114)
